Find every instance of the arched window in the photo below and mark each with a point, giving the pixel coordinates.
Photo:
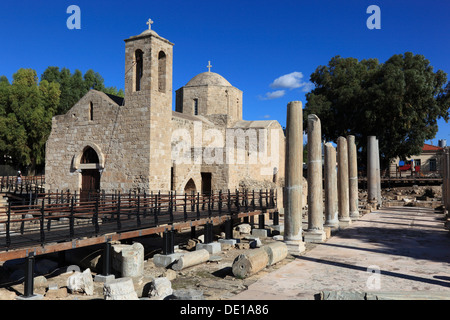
(195, 107)
(139, 58)
(89, 156)
(162, 71)
(91, 111)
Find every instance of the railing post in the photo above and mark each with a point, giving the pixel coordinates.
(246, 200)
(42, 234)
(261, 223)
(260, 199)
(155, 208)
(168, 242)
(198, 205)
(71, 219)
(193, 232)
(208, 232)
(185, 207)
(238, 206)
(8, 224)
(229, 201)
(29, 276)
(276, 219)
(209, 205)
(171, 206)
(119, 224)
(107, 259)
(145, 204)
(220, 202)
(159, 202)
(138, 218)
(228, 229)
(95, 216)
(253, 200)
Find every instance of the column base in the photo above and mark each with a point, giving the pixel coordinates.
(315, 236)
(333, 225)
(344, 223)
(354, 215)
(295, 246)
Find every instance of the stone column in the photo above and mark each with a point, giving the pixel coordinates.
(353, 177)
(315, 232)
(372, 184)
(294, 178)
(446, 179)
(343, 190)
(331, 204)
(378, 171)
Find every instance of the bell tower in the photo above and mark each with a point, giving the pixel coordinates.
(148, 98)
(148, 65)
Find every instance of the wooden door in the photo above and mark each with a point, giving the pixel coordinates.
(206, 182)
(90, 183)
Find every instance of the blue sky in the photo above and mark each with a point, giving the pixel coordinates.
(251, 43)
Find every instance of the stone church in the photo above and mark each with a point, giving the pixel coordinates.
(139, 143)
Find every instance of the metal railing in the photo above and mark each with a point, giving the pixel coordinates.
(23, 185)
(56, 217)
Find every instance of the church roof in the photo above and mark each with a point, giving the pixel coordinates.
(208, 79)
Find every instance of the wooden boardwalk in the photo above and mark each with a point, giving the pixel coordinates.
(58, 222)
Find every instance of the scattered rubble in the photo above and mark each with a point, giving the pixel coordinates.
(207, 276)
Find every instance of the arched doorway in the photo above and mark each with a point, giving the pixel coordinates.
(190, 186)
(90, 178)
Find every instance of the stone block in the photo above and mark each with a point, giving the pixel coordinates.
(187, 294)
(81, 282)
(276, 252)
(212, 248)
(166, 260)
(231, 242)
(128, 259)
(277, 229)
(244, 228)
(103, 278)
(260, 233)
(191, 259)
(249, 263)
(327, 231)
(315, 236)
(160, 288)
(119, 289)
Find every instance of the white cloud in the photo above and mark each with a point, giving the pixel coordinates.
(291, 80)
(308, 86)
(273, 95)
(267, 116)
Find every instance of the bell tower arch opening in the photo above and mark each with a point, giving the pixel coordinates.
(139, 69)
(162, 71)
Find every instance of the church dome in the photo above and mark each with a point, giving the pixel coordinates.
(208, 79)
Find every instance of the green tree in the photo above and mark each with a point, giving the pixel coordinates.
(74, 86)
(398, 101)
(26, 118)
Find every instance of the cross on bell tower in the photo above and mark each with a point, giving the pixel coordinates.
(209, 66)
(149, 22)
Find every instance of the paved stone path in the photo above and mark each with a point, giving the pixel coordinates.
(408, 247)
